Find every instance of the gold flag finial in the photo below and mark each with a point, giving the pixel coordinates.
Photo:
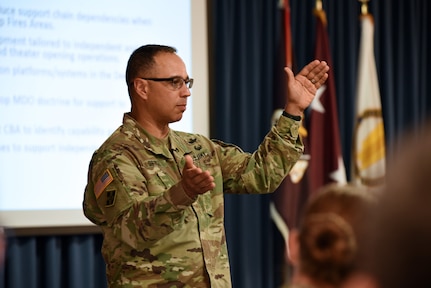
(319, 5)
(364, 6)
(319, 12)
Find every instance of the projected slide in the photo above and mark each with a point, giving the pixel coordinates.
(62, 66)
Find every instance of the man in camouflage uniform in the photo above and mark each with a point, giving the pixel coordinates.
(157, 194)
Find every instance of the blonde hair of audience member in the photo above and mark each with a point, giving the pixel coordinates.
(398, 234)
(323, 250)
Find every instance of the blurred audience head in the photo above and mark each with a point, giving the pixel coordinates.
(398, 234)
(324, 249)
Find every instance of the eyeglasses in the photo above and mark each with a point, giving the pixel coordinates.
(176, 82)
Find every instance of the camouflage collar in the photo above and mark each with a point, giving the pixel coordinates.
(173, 142)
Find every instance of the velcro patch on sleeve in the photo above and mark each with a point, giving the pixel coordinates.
(110, 198)
(102, 183)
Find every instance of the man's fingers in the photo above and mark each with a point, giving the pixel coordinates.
(315, 72)
(189, 162)
(309, 67)
(204, 179)
(196, 181)
(322, 80)
(319, 73)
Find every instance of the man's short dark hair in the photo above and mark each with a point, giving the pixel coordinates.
(142, 59)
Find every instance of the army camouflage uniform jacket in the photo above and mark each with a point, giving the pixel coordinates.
(154, 234)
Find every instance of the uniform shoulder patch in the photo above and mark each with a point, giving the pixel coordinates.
(102, 183)
(110, 198)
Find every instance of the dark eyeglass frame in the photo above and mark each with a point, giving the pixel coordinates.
(176, 82)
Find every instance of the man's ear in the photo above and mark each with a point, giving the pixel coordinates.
(141, 88)
(294, 247)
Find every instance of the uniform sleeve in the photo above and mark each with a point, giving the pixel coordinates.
(264, 170)
(117, 196)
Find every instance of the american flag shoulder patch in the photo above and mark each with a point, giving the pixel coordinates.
(102, 183)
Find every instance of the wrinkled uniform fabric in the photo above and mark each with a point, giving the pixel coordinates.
(154, 234)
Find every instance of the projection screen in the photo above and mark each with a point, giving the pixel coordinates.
(63, 92)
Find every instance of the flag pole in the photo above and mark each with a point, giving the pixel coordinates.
(364, 7)
(288, 35)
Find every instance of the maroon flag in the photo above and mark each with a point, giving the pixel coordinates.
(326, 164)
(322, 161)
